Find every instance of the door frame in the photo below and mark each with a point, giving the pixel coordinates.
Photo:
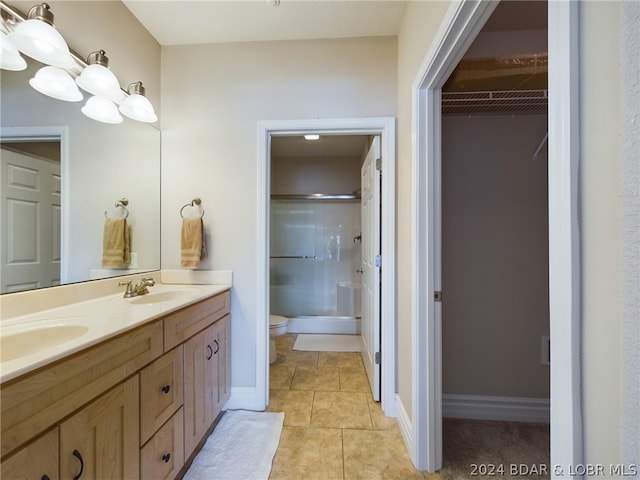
(462, 23)
(386, 128)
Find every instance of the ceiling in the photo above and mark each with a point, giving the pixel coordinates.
(214, 21)
(325, 146)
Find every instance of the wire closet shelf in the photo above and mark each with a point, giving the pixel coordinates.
(496, 102)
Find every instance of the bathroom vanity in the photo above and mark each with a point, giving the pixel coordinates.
(134, 402)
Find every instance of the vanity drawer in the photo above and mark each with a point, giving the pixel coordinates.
(161, 392)
(36, 401)
(163, 456)
(185, 323)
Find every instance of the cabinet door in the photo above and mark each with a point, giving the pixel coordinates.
(101, 440)
(38, 461)
(199, 377)
(163, 456)
(223, 363)
(161, 392)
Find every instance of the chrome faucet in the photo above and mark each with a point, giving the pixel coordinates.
(139, 289)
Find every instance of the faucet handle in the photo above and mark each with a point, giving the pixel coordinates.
(129, 287)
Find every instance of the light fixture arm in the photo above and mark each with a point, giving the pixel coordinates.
(137, 88)
(99, 58)
(41, 12)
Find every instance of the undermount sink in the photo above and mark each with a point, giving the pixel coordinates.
(162, 296)
(27, 342)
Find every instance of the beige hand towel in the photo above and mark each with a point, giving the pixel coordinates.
(193, 248)
(115, 243)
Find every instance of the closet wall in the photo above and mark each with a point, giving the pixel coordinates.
(495, 256)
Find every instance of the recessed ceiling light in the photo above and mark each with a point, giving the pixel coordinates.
(311, 137)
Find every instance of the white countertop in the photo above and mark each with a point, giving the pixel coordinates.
(103, 318)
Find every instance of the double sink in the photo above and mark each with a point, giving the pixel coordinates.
(31, 341)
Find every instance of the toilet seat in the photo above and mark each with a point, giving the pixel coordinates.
(277, 321)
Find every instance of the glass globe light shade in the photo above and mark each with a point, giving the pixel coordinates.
(10, 58)
(42, 42)
(99, 80)
(56, 83)
(102, 110)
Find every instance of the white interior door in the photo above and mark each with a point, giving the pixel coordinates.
(30, 228)
(370, 327)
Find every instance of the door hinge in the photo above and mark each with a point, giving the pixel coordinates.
(437, 296)
(377, 358)
(378, 164)
(378, 261)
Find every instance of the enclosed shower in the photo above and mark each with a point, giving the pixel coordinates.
(315, 235)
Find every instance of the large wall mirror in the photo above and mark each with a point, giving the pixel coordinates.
(62, 174)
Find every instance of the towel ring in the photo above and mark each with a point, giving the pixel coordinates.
(123, 202)
(194, 202)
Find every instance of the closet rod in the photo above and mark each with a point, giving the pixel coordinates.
(317, 196)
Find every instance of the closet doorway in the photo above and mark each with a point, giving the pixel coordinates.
(466, 21)
(495, 248)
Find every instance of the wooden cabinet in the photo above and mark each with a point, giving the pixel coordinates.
(38, 461)
(161, 392)
(133, 406)
(101, 440)
(163, 456)
(37, 401)
(206, 380)
(222, 356)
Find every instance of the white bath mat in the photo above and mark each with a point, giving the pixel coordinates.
(327, 343)
(241, 447)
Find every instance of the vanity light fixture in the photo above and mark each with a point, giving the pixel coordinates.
(39, 39)
(56, 83)
(312, 137)
(136, 106)
(10, 58)
(102, 110)
(97, 79)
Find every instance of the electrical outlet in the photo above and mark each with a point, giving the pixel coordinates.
(545, 350)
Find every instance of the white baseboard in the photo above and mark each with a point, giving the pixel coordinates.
(484, 407)
(406, 427)
(244, 398)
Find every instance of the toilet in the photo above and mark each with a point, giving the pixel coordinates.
(277, 327)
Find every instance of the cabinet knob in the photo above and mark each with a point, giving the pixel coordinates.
(45, 477)
(166, 457)
(166, 389)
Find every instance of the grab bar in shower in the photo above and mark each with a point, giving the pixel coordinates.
(295, 256)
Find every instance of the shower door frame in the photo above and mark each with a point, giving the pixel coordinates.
(385, 128)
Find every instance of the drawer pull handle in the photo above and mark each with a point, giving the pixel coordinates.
(77, 454)
(166, 389)
(166, 457)
(209, 352)
(217, 347)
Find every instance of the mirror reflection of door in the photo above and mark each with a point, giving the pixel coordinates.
(30, 225)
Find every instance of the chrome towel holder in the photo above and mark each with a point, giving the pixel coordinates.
(123, 202)
(195, 202)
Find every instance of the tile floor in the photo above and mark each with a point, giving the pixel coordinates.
(332, 427)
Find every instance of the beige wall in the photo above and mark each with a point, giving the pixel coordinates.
(336, 175)
(494, 256)
(213, 96)
(419, 27)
